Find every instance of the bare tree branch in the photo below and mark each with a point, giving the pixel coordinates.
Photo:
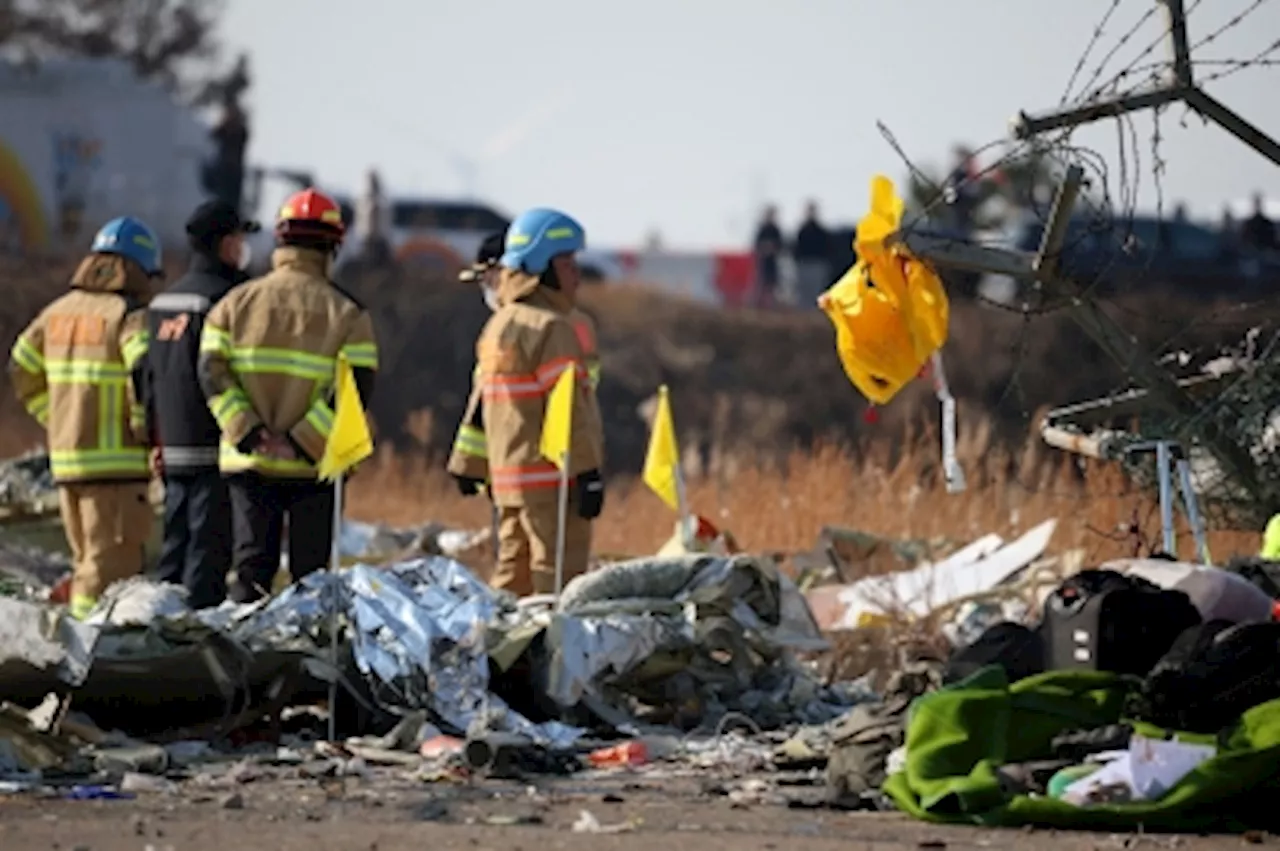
(173, 42)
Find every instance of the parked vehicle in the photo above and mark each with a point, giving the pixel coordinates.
(1130, 255)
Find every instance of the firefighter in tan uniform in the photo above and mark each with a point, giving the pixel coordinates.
(267, 357)
(469, 460)
(522, 351)
(79, 369)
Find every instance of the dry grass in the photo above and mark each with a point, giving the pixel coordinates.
(783, 506)
(748, 385)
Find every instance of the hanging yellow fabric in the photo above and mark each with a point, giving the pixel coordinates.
(889, 309)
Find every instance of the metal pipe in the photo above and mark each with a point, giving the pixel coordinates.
(494, 753)
(1164, 473)
(1179, 52)
(1192, 505)
(1235, 124)
(1055, 232)
(1070, 441)
(1024, 126)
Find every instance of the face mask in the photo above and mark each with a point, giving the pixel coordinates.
(491, 298)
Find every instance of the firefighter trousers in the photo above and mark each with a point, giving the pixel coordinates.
(107, 526)
(259, 507)
(527, 548)
(197, 536)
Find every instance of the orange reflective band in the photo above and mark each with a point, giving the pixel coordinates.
(550, 371)
(512, 387)
(515, 386)
(543, 476)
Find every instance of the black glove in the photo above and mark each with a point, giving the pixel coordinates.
(590, 495)
(250, 441)
(468, 486)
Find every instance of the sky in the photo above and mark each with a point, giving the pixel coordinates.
(686, 116)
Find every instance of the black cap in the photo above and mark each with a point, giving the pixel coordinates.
(487, 256)
(215, 219)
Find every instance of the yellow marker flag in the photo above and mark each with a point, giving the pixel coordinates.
(663, 455)
(350, 442)
(557, 425)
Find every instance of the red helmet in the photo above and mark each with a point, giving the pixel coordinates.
(312, 214)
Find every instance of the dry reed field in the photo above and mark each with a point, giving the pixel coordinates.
(783, 506)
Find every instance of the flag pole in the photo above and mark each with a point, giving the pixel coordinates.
(682, 502)
(335, 552)
(562, 518)
(495, 538)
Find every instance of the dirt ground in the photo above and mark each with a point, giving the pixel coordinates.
(357, 816)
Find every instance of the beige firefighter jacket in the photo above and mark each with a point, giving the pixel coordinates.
(470, 454)
(267, 358)
(78, 369)
(521, 353)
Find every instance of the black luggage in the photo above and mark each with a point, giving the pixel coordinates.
(1012, 646)
(1108, 621)
(1211, 674)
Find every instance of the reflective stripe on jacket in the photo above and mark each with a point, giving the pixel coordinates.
(470, 454)
(267, 356)
(78, 368)
(524, 348)
(184, 428)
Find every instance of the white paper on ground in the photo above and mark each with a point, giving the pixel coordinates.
(1149, 769)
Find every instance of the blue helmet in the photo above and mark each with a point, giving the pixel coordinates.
(129, 238)
(536, 236)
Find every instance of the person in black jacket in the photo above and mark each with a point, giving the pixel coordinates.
(812, 253)
(197, 513)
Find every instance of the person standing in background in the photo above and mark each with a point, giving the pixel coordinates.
(79, 369)
(528, 342)
(768, 249)
(268, 359)
(812, 253)
(1258, 231)
(197, 511)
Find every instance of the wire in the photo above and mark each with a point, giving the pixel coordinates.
(1117, 183)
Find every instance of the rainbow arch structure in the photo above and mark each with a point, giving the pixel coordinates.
(20, 200)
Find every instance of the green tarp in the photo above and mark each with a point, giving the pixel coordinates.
(957, 737)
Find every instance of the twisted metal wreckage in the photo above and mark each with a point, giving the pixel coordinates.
(1215, 432)
(682, 640)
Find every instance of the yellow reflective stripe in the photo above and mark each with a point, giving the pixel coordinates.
(27, 356)
(82, 605)
(282, 362)
(93, 463)
(320, 418)
(593, 370)
(227, 405)
(362, 354)
(230, 460)
(84, 372)
(471, 441)
(110, 428)
(38, 407)
(134, 349)
(214, 340)
(137, 417)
